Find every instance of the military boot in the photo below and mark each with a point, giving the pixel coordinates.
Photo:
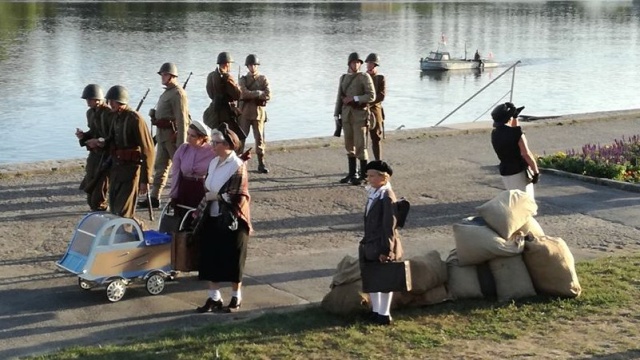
(262, 168)
(352, 171)
(363, 171)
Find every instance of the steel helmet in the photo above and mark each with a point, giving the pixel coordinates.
(374, 58)
(224, 57)
(169, 68)
(252, 59)
(118, 93)
(354, 57)
(92, 91)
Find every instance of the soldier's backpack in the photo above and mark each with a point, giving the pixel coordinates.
(402, 209)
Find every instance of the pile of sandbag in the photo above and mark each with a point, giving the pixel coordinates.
(428, 278)
(505, 253)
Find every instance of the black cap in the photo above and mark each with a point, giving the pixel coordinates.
(379, 165)
(504, 112)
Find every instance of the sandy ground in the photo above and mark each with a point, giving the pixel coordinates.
(305, 222)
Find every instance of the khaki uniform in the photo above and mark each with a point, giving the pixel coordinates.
(380, 86)
(132, 154)
(223, 92)
(355, 115)
(253, 105)
(172, 121)
(96, 182)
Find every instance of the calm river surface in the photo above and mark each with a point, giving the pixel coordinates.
(576, 57)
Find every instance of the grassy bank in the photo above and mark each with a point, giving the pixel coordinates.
(610, 285)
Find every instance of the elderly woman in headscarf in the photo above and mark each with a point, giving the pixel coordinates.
(510, 144)
(381, 242)
(189, 169)
(224, 234)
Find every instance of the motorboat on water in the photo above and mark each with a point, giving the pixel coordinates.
(441, 60)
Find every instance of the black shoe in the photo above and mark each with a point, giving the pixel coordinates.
(355, 180)
(371, 316)
(234, 305)
(262, 169)
(383, 320)
(155, 203)
(209, 306)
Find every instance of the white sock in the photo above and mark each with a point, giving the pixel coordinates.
(237, 294)
(215, 295)
(375, 302)
(385, 303)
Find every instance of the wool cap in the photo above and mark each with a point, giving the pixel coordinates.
(379, 165)
(229, 136)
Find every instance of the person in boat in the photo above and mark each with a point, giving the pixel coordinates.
(511, 147)
(96, 181)
(376, 128)
(171, 117)
(355, 92)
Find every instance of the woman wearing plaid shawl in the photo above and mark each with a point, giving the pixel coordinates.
(226, 222)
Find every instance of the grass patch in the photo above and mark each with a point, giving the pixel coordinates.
(609, 284)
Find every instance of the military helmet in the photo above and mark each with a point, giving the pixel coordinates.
(374, 58)
(118, 93)
(354, 57)
(92, 91)
(252, 59)
(224, 57)
(169, 68)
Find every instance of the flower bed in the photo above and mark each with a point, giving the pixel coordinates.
(618, 161)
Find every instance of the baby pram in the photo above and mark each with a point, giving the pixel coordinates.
(106, 249)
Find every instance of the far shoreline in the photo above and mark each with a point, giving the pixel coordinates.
(45, 166)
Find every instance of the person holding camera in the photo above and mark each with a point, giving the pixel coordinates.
(518, 166)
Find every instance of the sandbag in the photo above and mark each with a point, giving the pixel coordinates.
(551, 266)
(477, 243)
(345, 299)
(508, 212)
(462, 281)
(531, 227)
(427, 272)
(512, 278)
(347, 271)
(410, 299)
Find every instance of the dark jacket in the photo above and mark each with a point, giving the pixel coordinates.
(380, 233)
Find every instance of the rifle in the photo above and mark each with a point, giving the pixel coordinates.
(184, 86)
(142, 100)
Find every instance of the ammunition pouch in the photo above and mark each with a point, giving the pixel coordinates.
(127, 155)
(163, 123)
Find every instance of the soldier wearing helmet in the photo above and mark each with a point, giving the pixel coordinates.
(355, 92)
(171, 117)
(132, 154)
(255, 94)
(95, 182)
(376, 130)
(224, 92)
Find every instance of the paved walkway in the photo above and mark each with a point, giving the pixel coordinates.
(305, 223)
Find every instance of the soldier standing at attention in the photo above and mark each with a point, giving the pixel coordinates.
(223, 92)
(132, 154)
(171, 117)
(255, 94)
(95, 182)
(355, 92)
(379, 83)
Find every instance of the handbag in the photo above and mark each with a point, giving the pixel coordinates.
(386, 276)
(185, 251)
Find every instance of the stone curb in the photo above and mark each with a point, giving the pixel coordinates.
(621, 185)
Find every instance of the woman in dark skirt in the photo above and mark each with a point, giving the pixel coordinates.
(224, 234)
(381, 242)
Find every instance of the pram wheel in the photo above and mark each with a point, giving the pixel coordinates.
(84, 284)
(155, 283)
(116, 290)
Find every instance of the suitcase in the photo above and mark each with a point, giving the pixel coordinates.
(386, 277)
(184, 252)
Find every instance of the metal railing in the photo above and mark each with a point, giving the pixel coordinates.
(513, 78)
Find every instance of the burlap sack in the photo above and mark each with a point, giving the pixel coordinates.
(462, 281)
(345, 299)
(512, 278)
(508, 212)
(427, 272)
(410, 299)
(347, 271)
(477, 243)
(552, 267)
(531, 227)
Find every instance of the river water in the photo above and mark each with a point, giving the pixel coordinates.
(576, 56)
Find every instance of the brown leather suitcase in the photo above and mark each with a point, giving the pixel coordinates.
(386, 277)
(184, 251)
